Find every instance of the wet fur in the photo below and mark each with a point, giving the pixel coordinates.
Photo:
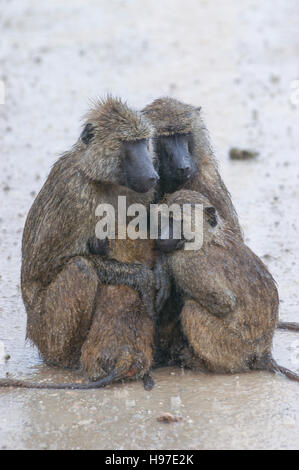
(171, 117)
(60, 272)
(230, 300)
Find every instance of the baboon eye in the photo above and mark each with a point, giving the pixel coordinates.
(87, 133)
(210, 210)
(211, 215)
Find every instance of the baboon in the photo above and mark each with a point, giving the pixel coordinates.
(230, 300)
(63, 266)
(185, 161)
(119, 344)
(121, 336)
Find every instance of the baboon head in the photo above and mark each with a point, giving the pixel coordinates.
(116, 148)
(174, 143)
(210, 220)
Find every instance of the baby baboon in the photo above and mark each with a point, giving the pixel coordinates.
(185, 156)
(230, 301)
(62, 262)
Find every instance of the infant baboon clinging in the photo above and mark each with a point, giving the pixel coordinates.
(230, 301)
(61, 264)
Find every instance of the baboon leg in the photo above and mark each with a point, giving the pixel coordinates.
(120, 339)
(68, 310)
(215, 347)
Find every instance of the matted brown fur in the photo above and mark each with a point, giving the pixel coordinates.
(120, 338)
(230, 299)
(59, 275)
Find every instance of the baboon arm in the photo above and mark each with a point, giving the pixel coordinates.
(135, 275)
(202, 279)
(217, 303)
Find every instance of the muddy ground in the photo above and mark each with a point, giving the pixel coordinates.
(238, 61)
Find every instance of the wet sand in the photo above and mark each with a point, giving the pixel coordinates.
(237, 62)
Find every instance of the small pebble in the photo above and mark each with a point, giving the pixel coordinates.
(239, 154)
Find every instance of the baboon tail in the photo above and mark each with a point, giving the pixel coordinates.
(101, 382)
(287, 372)
(284, 325)
(268, 363)
(16, 383)
(71, 386)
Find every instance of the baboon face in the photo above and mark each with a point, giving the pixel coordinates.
(210, 220)
(127, 163)
(176, 164)
(139, 172)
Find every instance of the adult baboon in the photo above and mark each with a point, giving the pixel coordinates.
(230, 300)
(62, 262)
(185, 160)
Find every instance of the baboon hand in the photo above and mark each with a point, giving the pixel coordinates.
(163, 285)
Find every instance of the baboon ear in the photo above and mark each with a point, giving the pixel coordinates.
(211, 215)
(87, 133)
(198, 109)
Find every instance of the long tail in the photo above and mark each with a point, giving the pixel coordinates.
(284, 325)
(268, 363)
(284, 371)
(72, 386)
